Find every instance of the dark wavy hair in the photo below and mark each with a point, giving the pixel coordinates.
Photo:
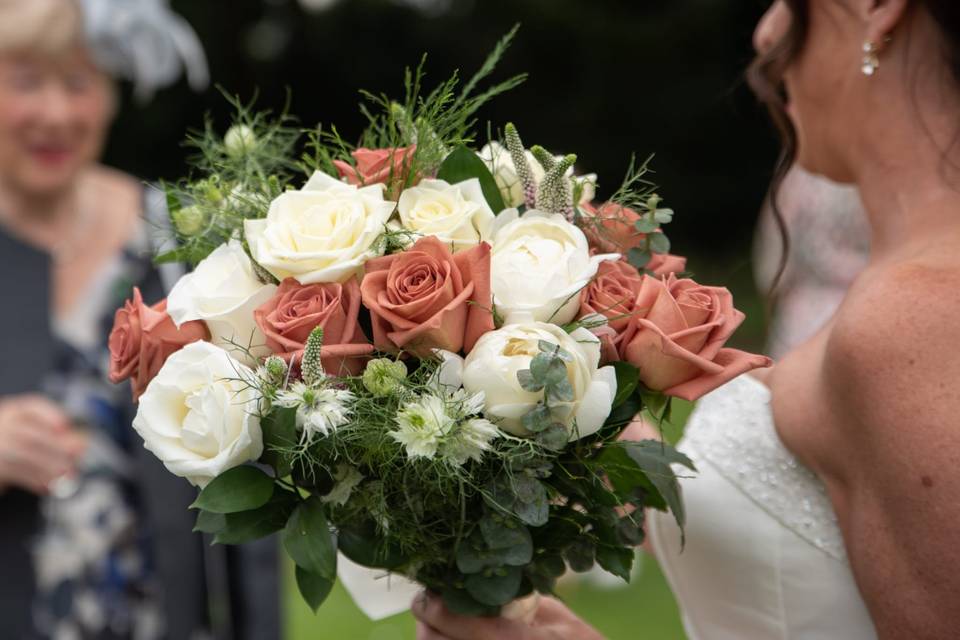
(765, 76)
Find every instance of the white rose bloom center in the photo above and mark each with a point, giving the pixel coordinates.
(492, 366)
(223, 291)
(198, 416)
(457, 214)
(540, 263)
(323, 233)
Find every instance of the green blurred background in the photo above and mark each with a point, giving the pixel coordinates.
(608, 78)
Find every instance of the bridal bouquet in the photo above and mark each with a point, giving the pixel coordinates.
(420, 358)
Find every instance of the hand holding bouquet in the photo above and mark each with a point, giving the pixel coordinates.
(423, 357)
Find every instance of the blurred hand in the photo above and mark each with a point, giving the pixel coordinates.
(38, 444)
(553, 621)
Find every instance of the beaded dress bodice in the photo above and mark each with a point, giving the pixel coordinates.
(764, 555)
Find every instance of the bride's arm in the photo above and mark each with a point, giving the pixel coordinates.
(896, 456)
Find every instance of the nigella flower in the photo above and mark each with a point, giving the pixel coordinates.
(469, 441)
(466, 403)
(319, 410)
(422, 424)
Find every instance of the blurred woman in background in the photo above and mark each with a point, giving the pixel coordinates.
(80, 500)
(829, 246)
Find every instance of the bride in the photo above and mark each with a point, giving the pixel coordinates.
(843, 520)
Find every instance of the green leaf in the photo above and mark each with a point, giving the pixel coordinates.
(663, 216)
(511, 539)
(246, 526)
(462, 603)
(314, 588)
(653, 459)
(560, 390)
(616, 560)
(239, 489)
(209, 522)
(656, 404)
(362, 545)
(554, 350)
(463, 164)
(527, 381)
(639, 258)
(628, 376)
(537, 419)
(645, 225)
(579, 555)
(659, 243)
(279, 435)
(309, 541)
(555, 437)
(181, 254)
(494, 588)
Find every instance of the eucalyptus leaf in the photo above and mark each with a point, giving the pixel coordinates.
(555, 437)
(537, 419)
(639, 258)
(460, 602)
(308, 540)
(645, 225)
(554, 350)
(463, 164)
(560, 391)
(663, 216)
(238, 489)
(494, 588)
(659, 243)
(500, 534)
(528, 382)
(314, 588)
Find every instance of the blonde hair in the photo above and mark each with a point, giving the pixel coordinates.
(46, 26)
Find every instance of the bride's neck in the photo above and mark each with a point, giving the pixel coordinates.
(910, 188)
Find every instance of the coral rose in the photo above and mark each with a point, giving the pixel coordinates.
(676, 336)
(428, 298)
(295, 310)
(143, 338)
(387, 166)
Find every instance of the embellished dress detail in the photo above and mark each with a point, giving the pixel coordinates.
(764, 555)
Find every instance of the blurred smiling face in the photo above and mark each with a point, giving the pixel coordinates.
(55, 111)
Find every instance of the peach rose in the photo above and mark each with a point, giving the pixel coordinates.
(387, 166)
(143, 338)
(676, 338)
(429, 298)
(295, 310)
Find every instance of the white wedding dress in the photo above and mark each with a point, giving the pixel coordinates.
(764, 557)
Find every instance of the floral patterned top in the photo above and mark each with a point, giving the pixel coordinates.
(94, 571)
(829, 246)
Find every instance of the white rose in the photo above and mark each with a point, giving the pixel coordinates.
(457, 214)
(223, 291)
(198, 416)
(323, 233)
(492, 366)
(540, 263)
(504, 171)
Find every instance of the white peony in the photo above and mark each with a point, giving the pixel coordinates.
(540, 263)
(492, 366)
(223, 291)
(457, 214)
(323, 233)
(198, 416)
(504, 171)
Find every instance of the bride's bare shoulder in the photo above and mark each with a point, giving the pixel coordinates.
(897, 337)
